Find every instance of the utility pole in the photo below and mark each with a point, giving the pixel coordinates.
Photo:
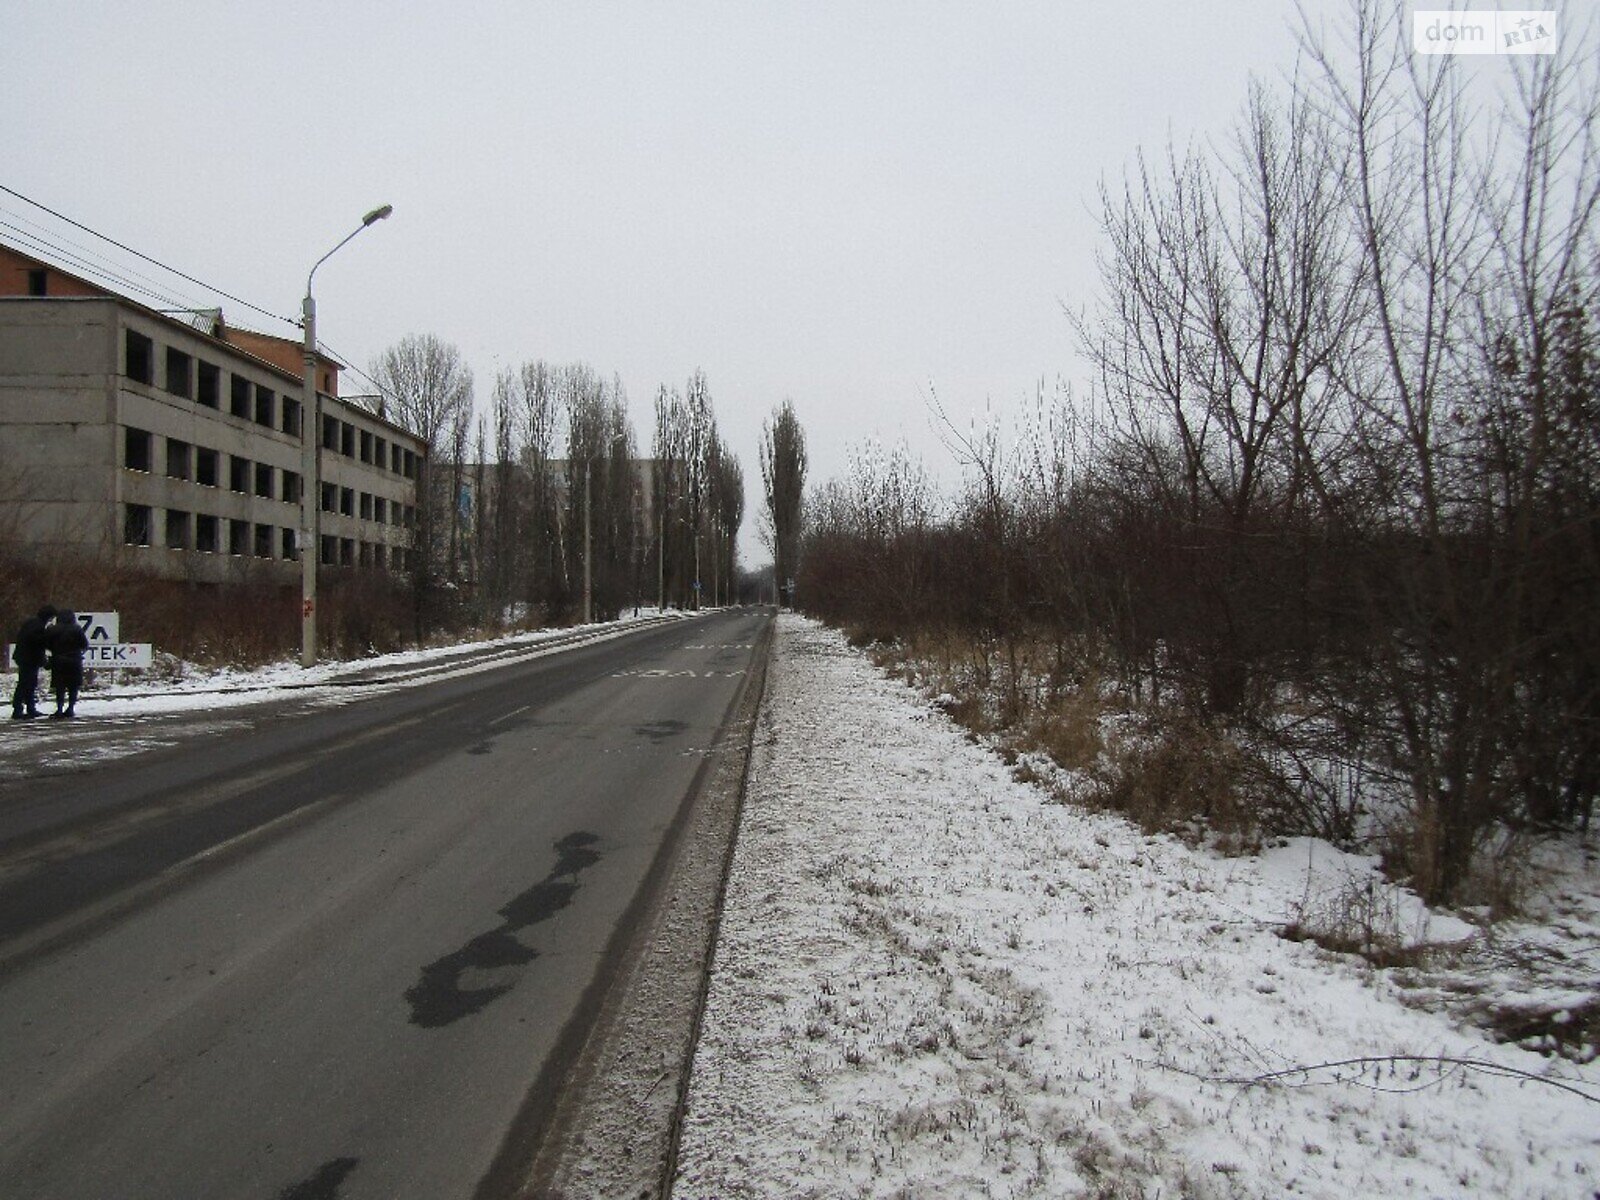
(588, 615)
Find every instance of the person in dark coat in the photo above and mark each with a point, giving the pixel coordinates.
(68, 644)
(28, 653)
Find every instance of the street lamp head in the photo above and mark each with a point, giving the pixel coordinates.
(376, 214)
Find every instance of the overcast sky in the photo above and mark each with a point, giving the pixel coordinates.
(848, 204)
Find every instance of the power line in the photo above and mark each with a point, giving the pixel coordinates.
(85, 260)
(157, 262)
(39, 244)
(84, 257)
(349, 365)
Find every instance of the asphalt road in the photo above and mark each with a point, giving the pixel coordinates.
(327, 951)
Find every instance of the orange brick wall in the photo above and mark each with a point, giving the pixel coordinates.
(281, 352)
(14, 269)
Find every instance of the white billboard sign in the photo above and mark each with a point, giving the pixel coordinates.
(118, 656)
(101, 628)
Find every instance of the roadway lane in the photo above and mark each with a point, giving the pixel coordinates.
(330, 957)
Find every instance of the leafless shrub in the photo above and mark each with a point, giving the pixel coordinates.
(1360, 916)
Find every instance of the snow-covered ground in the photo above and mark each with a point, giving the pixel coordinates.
(931, 982)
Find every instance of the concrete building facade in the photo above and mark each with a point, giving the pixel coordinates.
(173, 446)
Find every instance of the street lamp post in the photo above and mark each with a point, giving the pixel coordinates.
(310, 475)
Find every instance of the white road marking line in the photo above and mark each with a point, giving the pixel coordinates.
(511, 714)
(657, 673)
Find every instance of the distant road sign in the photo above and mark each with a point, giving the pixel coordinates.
(119, 656)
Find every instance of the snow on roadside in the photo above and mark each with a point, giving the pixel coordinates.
(200, 688)
(931, 983)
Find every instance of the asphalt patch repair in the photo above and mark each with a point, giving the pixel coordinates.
(439, 998)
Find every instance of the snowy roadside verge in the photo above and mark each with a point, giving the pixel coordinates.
(134, 715)
(224, 687)
(931, 982)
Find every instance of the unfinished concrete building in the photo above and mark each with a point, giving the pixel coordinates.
(171, 444)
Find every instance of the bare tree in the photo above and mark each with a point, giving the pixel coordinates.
(428, 391)
(726, 514)
(783, 481)
(600, 486)
(543, 576)
(668, 450)
(500, 500)
(699, 438)
(1229, 293)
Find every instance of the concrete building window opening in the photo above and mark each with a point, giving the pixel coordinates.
(180, 370)
(291, 487)
(330, 433)
(179, 456)
(136, 524)
(380, 452)
(366, 446)
(238, 474)
(205, 466)
(139, 358)
(238, 537)
(291, 551)
(347, 440)
(239, 398)
(291, 417)
(208, 384)
(263, 544)
(330, 498)
(347, 552)
(205, 533)
(265, 403)
(347, 502)
(178, 525)
(38, 282)
(136, 451)
(264, 480)
(328, 553)
(366, 506)
(380, 510)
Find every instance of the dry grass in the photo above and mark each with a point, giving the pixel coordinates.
(1068, 727)
(1152, 762)
(1183, 777)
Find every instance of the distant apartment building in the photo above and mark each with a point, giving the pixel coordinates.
(172, 444)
